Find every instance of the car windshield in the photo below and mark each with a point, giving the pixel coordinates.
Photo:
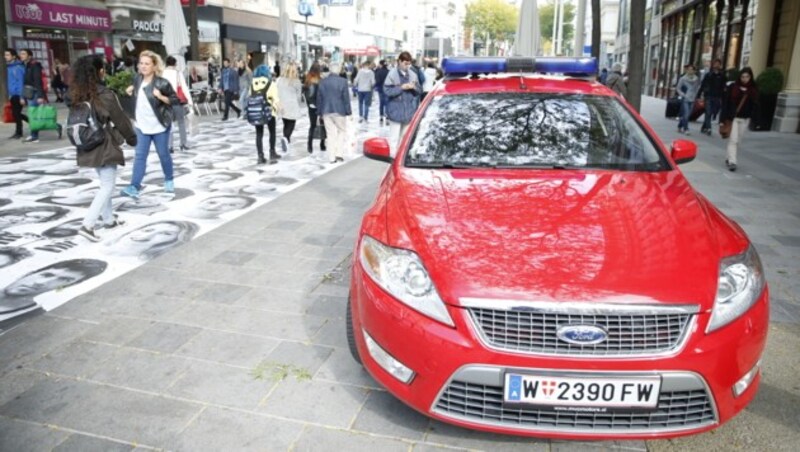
(535, 130)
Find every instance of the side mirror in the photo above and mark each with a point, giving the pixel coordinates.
(378, 149)
(683, 151)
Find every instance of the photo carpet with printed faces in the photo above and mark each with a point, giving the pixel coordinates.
(44, 198)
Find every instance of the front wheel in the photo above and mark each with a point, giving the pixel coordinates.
(351, 336)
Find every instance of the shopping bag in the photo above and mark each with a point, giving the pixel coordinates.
(43, 117)
(8, 114)
(192, 123)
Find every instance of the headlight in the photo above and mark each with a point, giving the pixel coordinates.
(741, 281)
(401, 273)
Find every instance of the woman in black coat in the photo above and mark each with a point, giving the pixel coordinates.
(154, 97)
(87, 73)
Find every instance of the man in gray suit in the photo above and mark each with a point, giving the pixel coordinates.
(333, 104)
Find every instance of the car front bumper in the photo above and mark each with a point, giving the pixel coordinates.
(459, 380)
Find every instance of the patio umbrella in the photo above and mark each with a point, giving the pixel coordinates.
(527, 38)
(176, 35)
(286, 42)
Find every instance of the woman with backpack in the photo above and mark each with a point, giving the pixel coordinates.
(154, 98)
(85, 86)
(311, 87)
(261, 108)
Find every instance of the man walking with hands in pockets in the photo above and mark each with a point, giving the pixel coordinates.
(333, 104)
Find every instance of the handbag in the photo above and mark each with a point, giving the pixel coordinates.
(725, 128)
(726, 125)
(179, 92)
(43, 117)
(28, 91)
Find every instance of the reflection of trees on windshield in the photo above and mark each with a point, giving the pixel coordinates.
(523, 129)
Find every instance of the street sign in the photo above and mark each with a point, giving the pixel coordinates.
(305, 9)
(335, 2)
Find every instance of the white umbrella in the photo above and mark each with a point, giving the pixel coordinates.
(176, 35)
(527, 38)
(286, 42)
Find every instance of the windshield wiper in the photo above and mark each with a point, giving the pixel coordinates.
(451, 165)
(536, 166)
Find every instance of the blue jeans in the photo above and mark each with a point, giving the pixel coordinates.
(161, 140)
(713, 106)
(364, 101)
(686, 110)
(101, 204)
(383, 101)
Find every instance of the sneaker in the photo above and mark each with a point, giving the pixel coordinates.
(184, 148)
(131, 191)
(31, 140)
(114, 223)
(284, 145)
(169, 186)
(15, 137)
(88, 234)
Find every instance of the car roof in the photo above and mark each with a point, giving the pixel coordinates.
(521, 84)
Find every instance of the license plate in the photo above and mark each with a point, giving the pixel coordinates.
(634, 392)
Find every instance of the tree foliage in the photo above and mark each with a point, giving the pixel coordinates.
(493, 20)
(547, 12)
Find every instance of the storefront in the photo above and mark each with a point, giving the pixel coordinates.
(142, 30)
(699, 31)
(59, 31)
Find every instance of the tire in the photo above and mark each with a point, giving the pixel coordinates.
(351, 336)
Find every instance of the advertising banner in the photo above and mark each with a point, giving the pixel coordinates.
(34, 12)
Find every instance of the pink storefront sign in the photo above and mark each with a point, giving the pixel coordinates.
(45, 14)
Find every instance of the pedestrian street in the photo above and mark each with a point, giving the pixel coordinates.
(44, 196)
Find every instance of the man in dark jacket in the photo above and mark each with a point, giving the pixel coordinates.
(15, 72)
(380, 78)
(712, 89)
(403, 90)
(229, 86)
(333, 104)
(33, 78)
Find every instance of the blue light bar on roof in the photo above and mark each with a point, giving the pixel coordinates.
(462, 66)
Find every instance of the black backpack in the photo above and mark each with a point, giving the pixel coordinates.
(84, 129)
(258, 111)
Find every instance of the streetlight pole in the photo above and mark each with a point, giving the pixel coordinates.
(194, 39)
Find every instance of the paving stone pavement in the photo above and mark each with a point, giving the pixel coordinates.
(235, 341)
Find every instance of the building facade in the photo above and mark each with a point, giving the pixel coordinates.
(755, 33)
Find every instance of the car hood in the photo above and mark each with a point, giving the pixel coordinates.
(613, 237)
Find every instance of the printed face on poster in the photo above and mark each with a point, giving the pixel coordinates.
(198, 74)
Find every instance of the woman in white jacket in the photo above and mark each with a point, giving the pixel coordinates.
(290, 91)
(176, 79)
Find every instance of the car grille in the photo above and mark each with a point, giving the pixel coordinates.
(535, 332)
(676, 410)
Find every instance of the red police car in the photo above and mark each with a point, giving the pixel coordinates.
(535, 263)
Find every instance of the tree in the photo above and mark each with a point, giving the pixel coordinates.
(547, 14)
(492, 21)
(636, 55)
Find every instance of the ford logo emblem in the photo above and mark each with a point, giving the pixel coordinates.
(582, 334)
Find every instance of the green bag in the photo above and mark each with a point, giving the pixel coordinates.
(43, 117)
